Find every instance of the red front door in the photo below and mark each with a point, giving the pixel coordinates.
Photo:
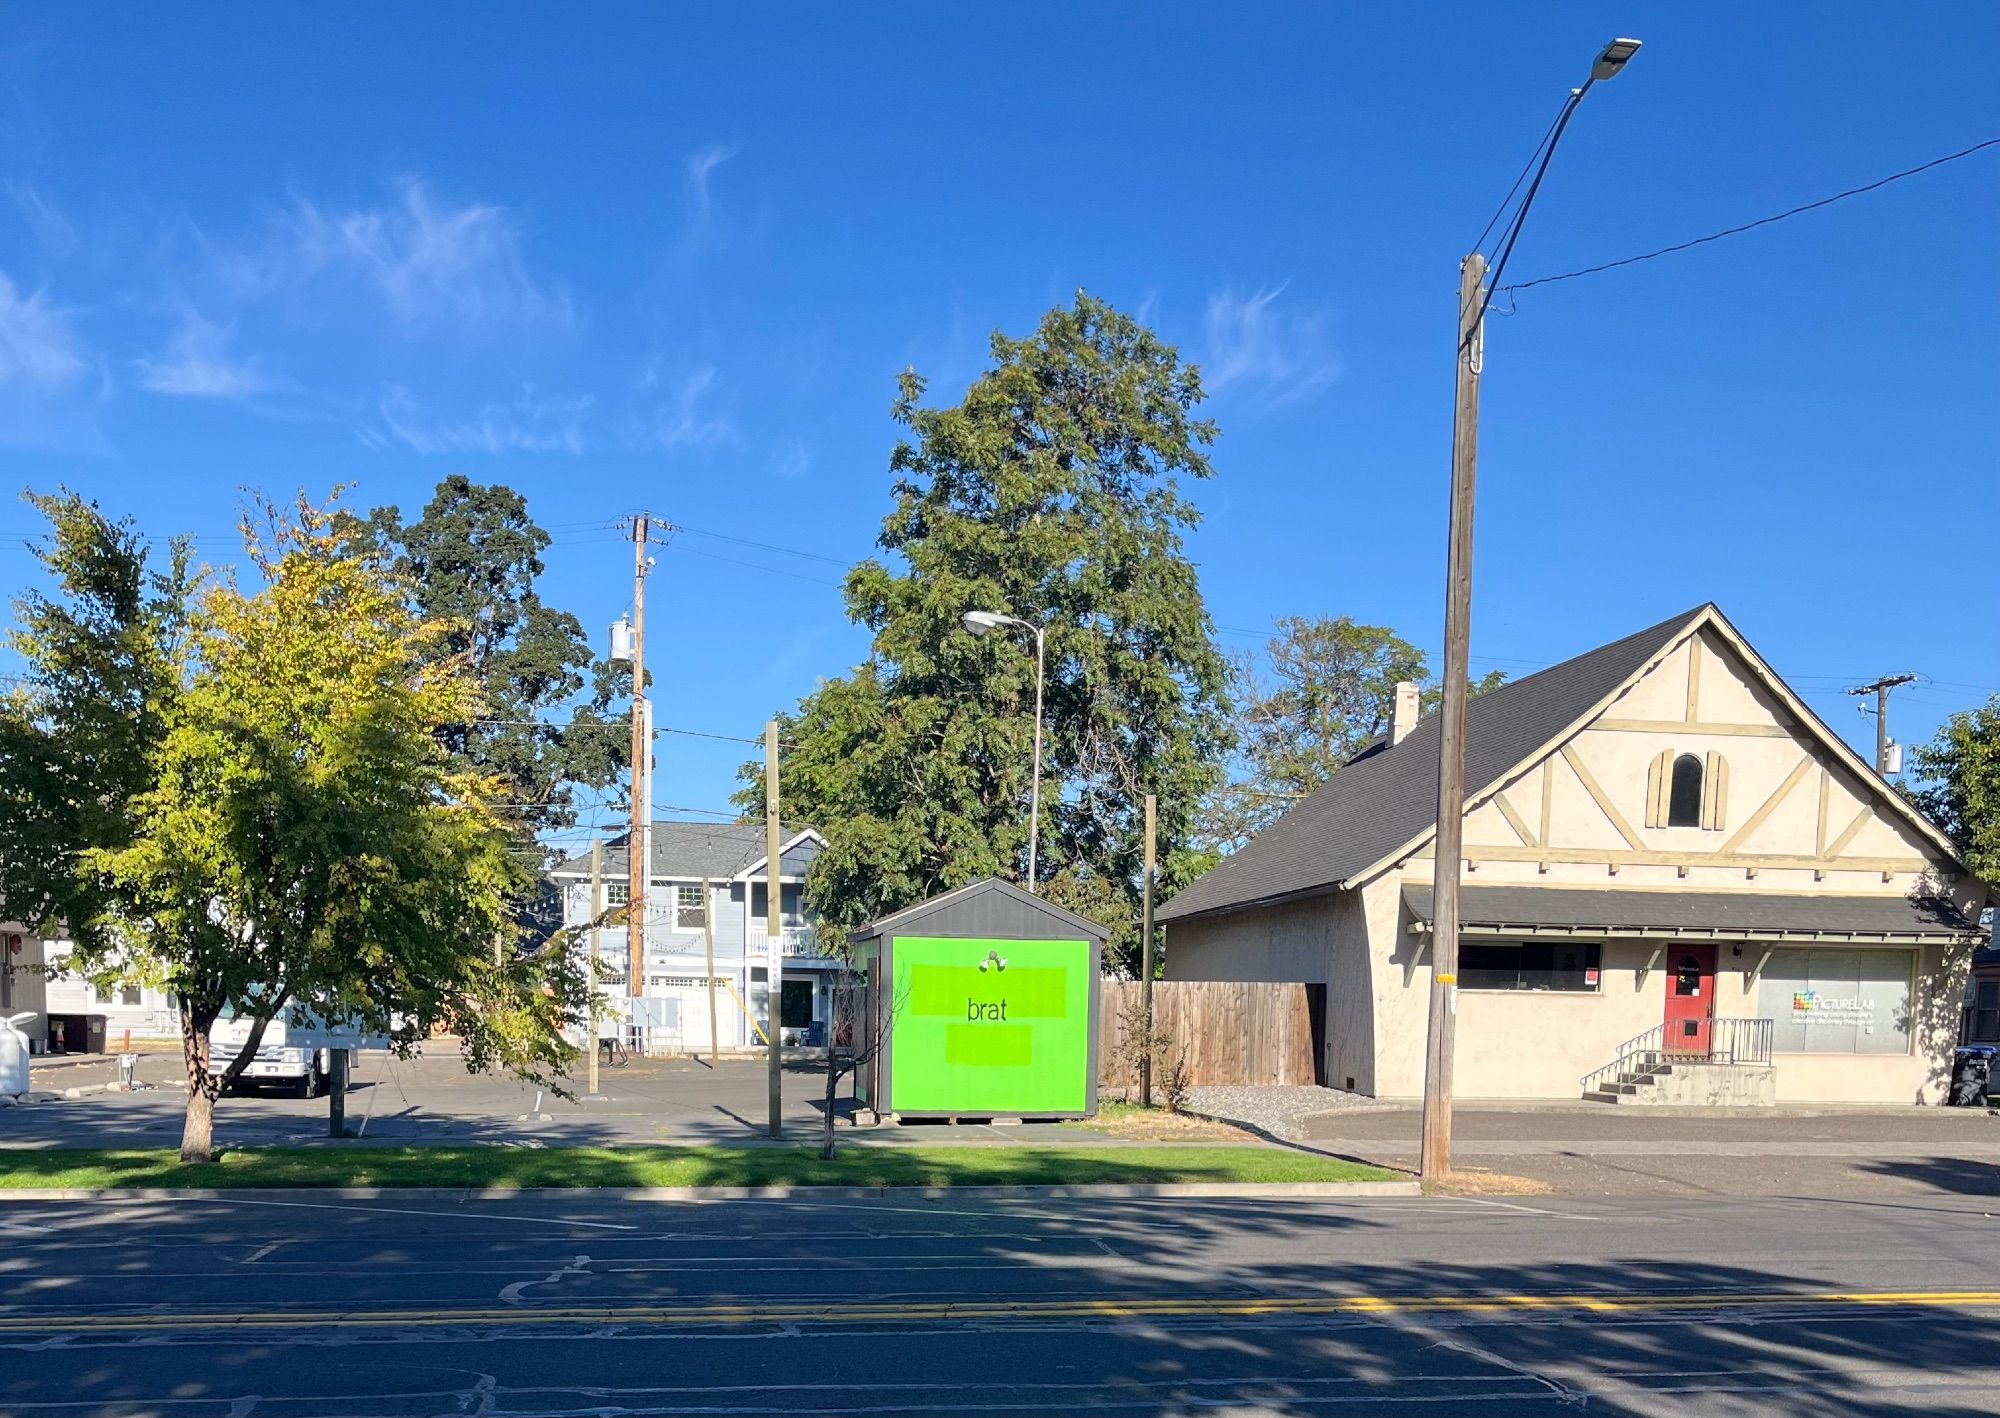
(1690, 998)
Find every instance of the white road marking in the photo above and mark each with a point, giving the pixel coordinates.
(511, 1294)
(407, 1211)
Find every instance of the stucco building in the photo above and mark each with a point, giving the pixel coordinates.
(1678, 885)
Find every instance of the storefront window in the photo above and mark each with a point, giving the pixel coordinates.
(1571, 966)
(1837, 1001)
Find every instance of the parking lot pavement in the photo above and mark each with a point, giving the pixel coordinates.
(1594, 1150)
(432, 1099)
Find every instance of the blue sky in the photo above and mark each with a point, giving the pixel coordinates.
(669, 257)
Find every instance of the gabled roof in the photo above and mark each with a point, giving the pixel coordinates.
(691, 850)
(1382, 804)
(1022, 904)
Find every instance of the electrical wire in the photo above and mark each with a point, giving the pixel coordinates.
(1760, 222)
(1526, 168)
(1521, 213)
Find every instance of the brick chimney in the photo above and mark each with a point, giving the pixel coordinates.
(1404, 716)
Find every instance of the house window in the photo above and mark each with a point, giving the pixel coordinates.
(1570, 967)
(617, 893)
(1986, 1011)
(1684, 803)
(129, 996)
(690, 909)
(1838, 1001)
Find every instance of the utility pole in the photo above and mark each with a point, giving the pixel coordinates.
(1436, 1151)
(590, 961)
(1146, 959)
(1880, 689)
(638, 869)
(774, 933)
(708, 945)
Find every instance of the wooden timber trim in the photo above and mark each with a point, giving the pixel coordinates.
(1758, 818)
(1825, 788)
(1850, 832)
(1694, 676)
(1514, 820)
(1684, 728)
(1548, 796)
(1618, 821)
(1613, 856)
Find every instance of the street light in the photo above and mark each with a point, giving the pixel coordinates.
(985, 623)
(1475, 293)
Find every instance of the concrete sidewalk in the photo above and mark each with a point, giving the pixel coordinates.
(1596, 1150)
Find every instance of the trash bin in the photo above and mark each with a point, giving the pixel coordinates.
(14, 1054)
(1971, 1075)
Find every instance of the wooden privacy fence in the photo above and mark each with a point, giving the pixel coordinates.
(1241, 1032)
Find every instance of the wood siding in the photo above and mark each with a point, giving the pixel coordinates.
(1233, 1032)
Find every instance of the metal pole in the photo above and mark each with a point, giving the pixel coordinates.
(590, 962)
(708, 947)
(1035, 789)
(1436, 1151)
(774, 949)
(637, 867)
(1146, 960)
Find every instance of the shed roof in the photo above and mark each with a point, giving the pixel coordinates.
(965, 901)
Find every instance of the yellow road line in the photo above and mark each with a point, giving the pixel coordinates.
(850, 1312)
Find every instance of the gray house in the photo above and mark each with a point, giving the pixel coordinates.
(707, 877)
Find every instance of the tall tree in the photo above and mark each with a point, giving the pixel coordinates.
(1957, 784)
(1324, 690)
(292, 833)
(546, 724)
(1051, 492)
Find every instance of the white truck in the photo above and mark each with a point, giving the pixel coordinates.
(293, 1056)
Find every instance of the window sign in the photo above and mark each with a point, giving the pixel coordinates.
(1837, 1001)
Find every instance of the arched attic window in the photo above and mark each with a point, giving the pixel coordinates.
(1684, 798)
(1683, 790)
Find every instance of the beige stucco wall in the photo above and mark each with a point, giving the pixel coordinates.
(1539, 1045)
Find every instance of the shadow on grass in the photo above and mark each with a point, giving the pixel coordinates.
(511, 1167)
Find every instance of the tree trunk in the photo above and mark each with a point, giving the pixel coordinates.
(832, 1086)
(198, 1126)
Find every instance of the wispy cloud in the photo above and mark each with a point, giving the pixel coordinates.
(1255, 347)
(682, 418)
(698, 166)
(196, 363)
(794, 459)
(39, 346)
(529, 423)
(432, 263)
(53, 231)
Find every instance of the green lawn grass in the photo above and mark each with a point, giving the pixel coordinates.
(871, 1166)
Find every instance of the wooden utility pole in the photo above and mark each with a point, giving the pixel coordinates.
(1146, 960)
(708, 943)
(1436, 1150)
(1880, 689)
(774, 941)
(638, 869)
(590, 961)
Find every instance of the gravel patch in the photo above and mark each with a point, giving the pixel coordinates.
(1280, 1110)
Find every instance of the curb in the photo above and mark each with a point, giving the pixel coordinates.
(1108, 1191)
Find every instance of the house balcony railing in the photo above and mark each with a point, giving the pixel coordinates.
(796, 940)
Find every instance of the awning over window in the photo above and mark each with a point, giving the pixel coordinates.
(1725, 915)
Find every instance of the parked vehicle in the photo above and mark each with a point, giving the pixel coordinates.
(293, 1057)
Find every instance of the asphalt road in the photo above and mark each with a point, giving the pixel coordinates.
(278, 1306)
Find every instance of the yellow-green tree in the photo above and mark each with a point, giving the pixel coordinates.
(293, 835)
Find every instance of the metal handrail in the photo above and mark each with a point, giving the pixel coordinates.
(1730, 1041)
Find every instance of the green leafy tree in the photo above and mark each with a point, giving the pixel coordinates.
(1324, 690)
(291, 832)
(1051, 492)
(546, 723)
(1957, 785)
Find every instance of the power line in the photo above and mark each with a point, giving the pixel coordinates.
(1761, 221)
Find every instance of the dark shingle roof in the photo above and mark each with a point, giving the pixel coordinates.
(1388, 796)
(689, 850)
(1708, 912)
